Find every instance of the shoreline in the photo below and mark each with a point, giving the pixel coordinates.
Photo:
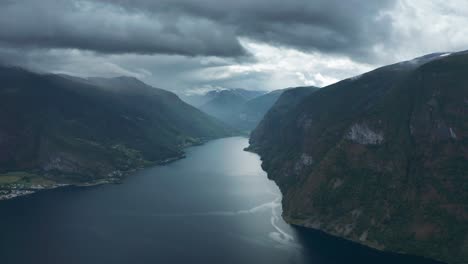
(9, 194)
(310, 227)
(13, 193)
(378, 248)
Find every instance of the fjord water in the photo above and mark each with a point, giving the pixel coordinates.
(214, 206)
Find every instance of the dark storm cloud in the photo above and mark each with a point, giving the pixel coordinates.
(107, 28)
(346, 27)
(195, 27)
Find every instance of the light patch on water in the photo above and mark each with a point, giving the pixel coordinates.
(280, 236)
(260, 208)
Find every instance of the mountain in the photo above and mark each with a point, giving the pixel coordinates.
(253, 111)
(64, 129)
(380, 159)
(227, 106)
(239, 109)
(224, 104)
(245, 94)
(199, 100)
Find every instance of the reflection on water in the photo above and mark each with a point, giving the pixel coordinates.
(215, 206)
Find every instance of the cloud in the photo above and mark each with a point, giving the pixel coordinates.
(279, 67)
(195, 27)
(270, 67)
(352, 28)
(183, 45)
(107, 28)
(420, 27)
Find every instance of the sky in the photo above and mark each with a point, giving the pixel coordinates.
(192, 46)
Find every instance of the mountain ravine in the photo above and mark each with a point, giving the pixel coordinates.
(380, 159)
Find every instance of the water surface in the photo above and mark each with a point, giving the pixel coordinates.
(215, 206)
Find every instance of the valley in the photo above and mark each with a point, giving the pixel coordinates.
(181, 212)
(240, 109)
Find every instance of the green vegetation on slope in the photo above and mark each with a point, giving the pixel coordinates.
(381, 159)
(76, 130)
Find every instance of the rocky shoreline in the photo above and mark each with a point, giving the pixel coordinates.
(8, 194)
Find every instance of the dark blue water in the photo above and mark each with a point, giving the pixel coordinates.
(215, 206)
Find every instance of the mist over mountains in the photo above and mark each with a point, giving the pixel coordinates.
(239, 108)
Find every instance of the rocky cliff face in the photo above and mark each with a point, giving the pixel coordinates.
(381, 159)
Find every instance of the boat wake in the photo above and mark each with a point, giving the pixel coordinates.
(260, 208)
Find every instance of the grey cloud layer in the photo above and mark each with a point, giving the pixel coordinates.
(107, 28)
(348, 27)
(197, 44)
(195, 27)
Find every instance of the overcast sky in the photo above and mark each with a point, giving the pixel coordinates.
(197, 45)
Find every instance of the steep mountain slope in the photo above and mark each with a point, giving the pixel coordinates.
(253, 111)
(288, 98)
(65, 129)
(380, 159)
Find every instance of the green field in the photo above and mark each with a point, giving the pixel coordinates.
(22, 177)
